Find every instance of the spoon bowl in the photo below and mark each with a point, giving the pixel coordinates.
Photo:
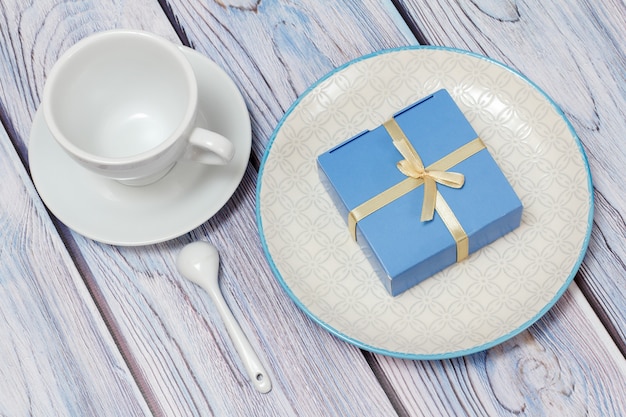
(199, 262)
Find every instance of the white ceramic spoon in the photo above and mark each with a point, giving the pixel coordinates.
(199, 262)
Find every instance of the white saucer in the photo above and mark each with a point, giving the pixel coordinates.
(189, 195)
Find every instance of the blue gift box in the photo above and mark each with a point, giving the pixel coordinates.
(403, 249)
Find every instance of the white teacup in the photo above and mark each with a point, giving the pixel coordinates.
(123, 104)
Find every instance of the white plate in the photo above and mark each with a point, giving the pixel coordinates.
(492, 296)
(186, 197)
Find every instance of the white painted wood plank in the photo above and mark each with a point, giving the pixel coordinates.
(180, 349)
(57, 355)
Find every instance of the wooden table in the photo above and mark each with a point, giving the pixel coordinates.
(92, 329)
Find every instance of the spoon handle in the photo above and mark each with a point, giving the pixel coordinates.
(259, 378)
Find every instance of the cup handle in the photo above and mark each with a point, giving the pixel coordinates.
(209, 148)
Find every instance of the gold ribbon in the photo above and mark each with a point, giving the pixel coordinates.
(429, 176)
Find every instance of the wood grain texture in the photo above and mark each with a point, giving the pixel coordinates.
(167, 329)
(572, 50)
(58, 357)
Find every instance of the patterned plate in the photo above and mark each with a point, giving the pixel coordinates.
(490, 297)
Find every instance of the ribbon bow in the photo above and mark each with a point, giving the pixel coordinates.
(412, 166)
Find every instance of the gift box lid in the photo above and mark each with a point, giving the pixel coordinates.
(365, 165)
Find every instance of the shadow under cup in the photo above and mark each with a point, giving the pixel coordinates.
(121, 95)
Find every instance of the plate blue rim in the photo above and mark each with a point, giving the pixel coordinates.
(405, 355)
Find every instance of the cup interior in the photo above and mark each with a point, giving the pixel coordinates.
(121, 95)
